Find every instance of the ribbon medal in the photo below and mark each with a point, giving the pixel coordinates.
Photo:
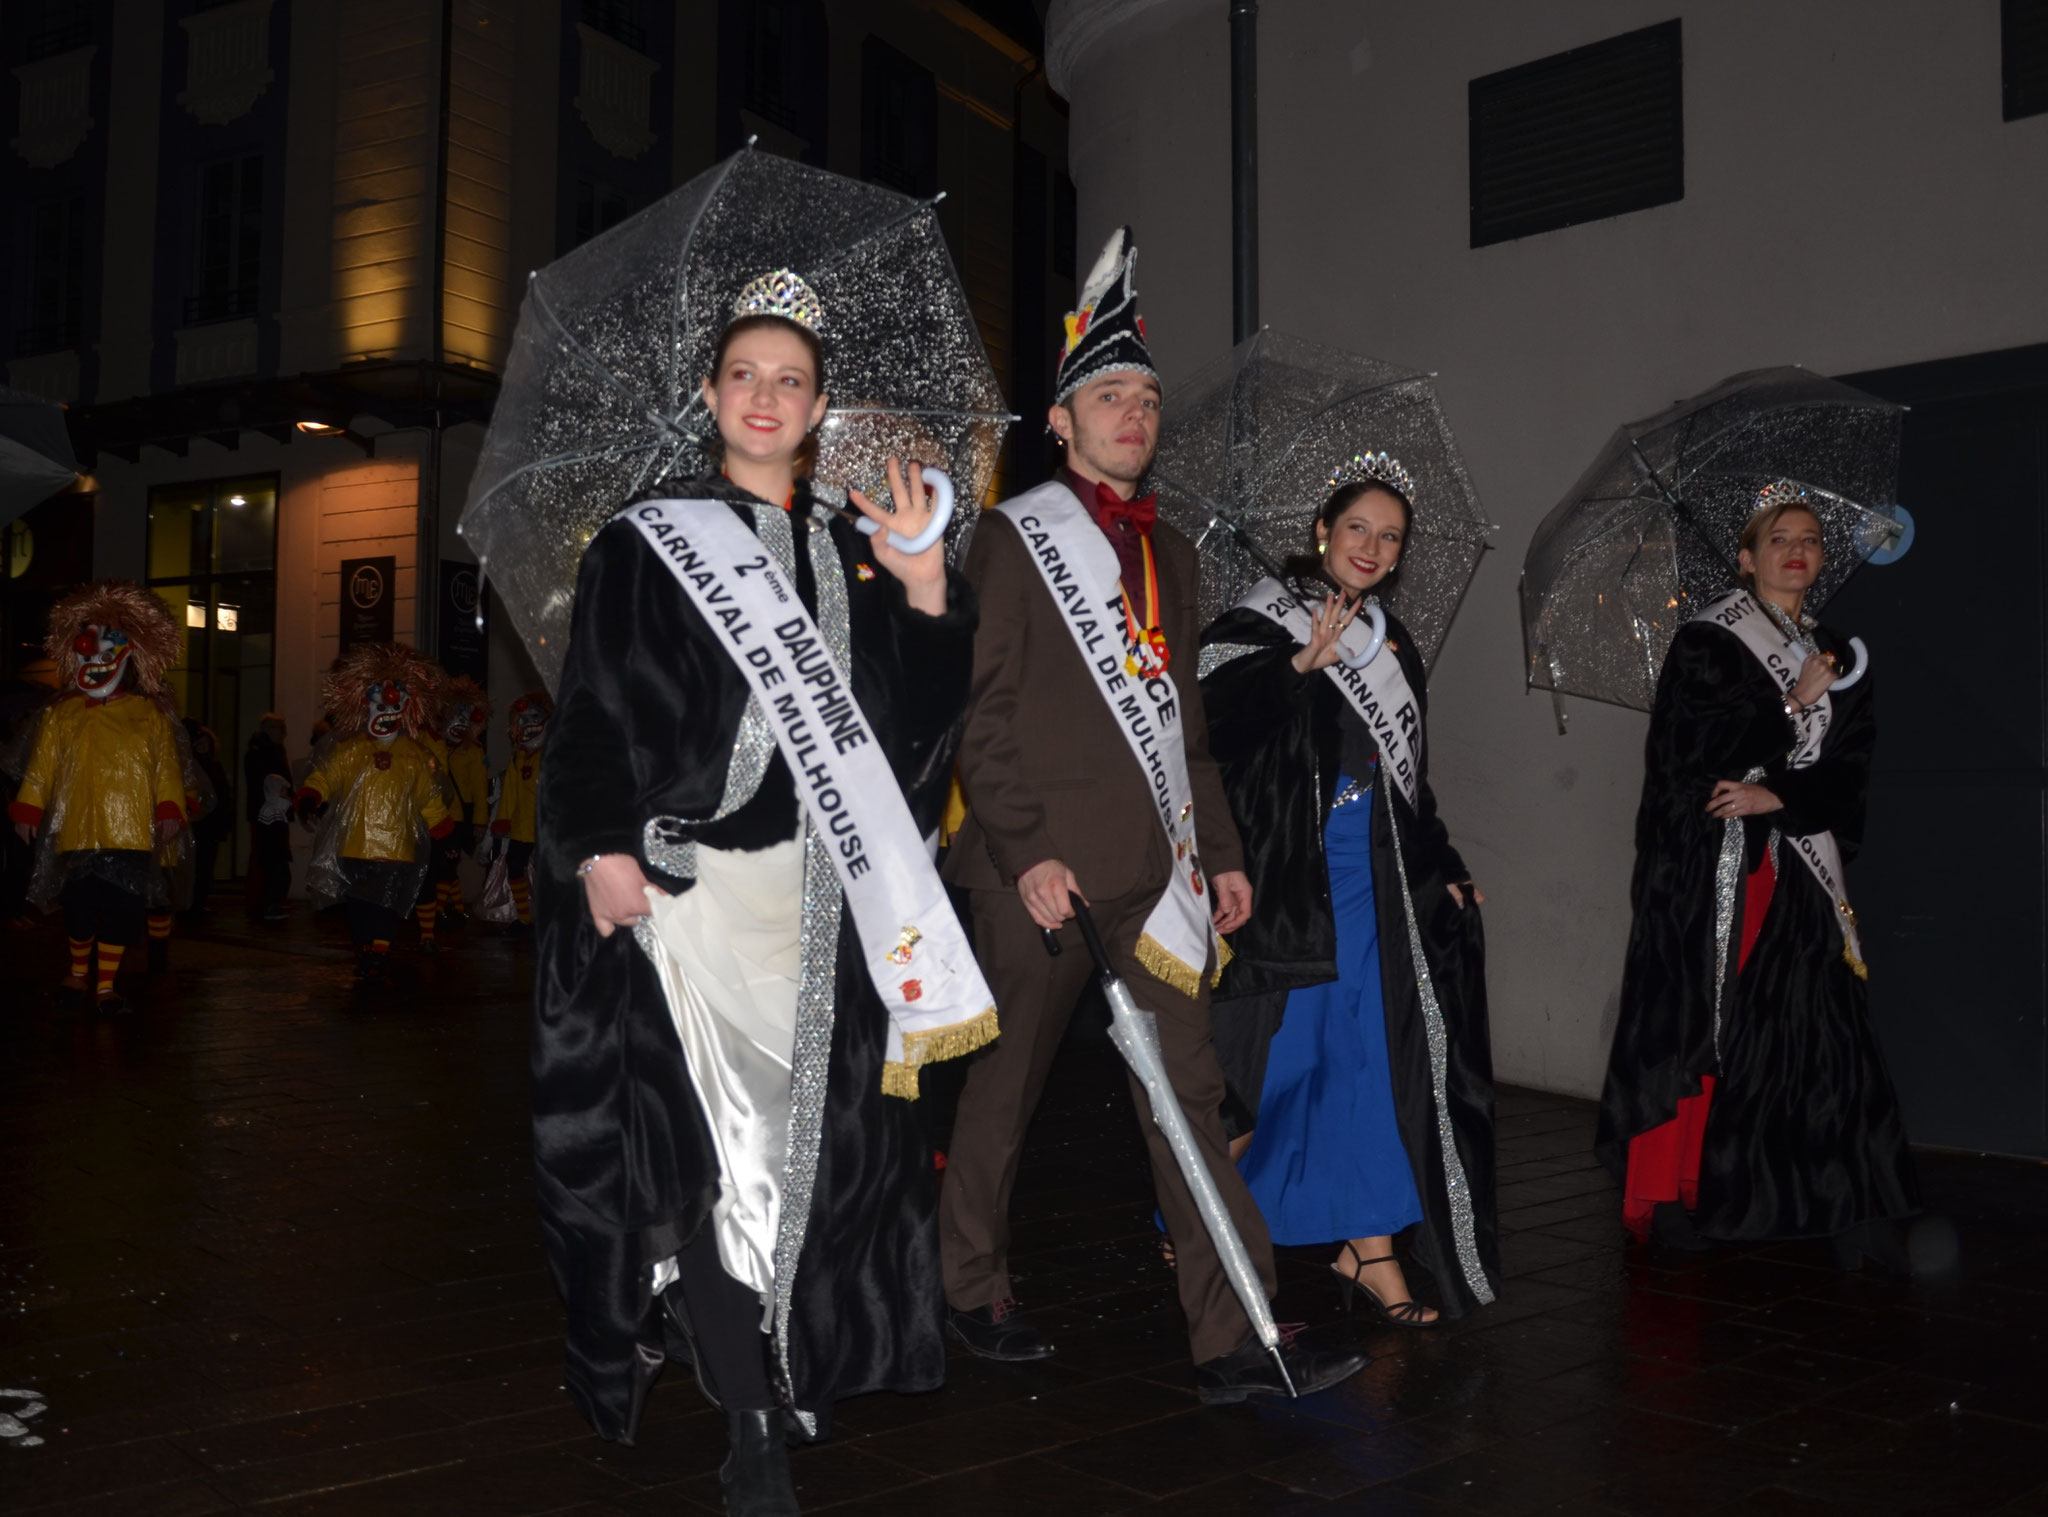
(1145, 652)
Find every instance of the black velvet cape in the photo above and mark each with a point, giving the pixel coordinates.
(1276, 736)
(647, 716)
(1804, 1136)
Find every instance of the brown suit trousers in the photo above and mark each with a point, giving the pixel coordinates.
(1047, 775)
(1035, 994)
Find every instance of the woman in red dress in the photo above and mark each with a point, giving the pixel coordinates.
(1746, 1094)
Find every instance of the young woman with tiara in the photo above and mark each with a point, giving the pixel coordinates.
(1746, 1094)
(743, 951)
(1352, 1020)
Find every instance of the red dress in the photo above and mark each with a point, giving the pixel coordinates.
(1664, 1163)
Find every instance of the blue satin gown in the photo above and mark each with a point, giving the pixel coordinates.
(1327, 1162)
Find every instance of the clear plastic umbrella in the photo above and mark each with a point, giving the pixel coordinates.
(1649, 533)
(600, 399)
(1135, 1032)
(1247, 452)
(35, 453)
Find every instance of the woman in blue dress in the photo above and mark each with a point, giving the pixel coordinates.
(1351, 1023)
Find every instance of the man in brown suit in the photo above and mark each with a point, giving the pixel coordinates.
(1058, 803)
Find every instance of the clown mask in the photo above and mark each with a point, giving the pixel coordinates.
(386, 701)
(103, 656)
(460, 725)
(529, 726)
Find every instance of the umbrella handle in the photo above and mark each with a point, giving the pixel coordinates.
(1378, 619)
(1091, 937)
(942, 514)
(1862, 666)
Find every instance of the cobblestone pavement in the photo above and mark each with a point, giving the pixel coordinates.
(265, 1245)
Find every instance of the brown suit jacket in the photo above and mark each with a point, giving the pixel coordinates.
(1046, 772)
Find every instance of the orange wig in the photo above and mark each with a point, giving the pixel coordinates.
(153, 640)
(345, 692)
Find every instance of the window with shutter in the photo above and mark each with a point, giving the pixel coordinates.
(2023, 38)
(1579, 136)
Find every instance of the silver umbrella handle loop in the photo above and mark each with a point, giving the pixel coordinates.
(1377, 618)
(942, 514)
(1862, 665)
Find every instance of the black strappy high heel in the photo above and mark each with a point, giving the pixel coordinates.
(1400, 1314)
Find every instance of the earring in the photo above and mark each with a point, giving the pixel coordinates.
(1321, 549)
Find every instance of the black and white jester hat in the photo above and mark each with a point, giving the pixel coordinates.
(1106, 335)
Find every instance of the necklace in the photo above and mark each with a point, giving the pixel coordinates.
(1798, 634)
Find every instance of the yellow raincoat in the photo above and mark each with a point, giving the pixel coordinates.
(387, 789)
(515, 800)
(472, 775)
(108, 770)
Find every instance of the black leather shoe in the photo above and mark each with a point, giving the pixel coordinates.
(1881, 1242)
(1250, 1371)
(999, 1332)
(755, 1475)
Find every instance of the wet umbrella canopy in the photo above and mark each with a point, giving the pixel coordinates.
(601, 401)
(1649, 533)
(1254, 439)
(35, 453)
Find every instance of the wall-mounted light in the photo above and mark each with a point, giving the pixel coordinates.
(334, 424)
(238, 500)
(227, 618)
(195, 614)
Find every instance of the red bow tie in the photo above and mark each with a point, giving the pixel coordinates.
(1111, 510)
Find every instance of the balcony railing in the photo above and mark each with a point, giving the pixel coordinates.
(220, 305)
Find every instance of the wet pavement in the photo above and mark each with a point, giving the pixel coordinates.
(266, 1245)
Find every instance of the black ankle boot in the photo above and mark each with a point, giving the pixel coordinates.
(755, 1475)
(1671, 1227)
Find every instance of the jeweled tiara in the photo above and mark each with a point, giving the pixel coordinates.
(1779, 492)
(782, 292)
(1379, 468)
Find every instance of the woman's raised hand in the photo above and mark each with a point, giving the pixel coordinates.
(1816, 676)
(923, 575)
(1321, 650)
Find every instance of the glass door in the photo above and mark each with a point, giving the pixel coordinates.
(213, 558)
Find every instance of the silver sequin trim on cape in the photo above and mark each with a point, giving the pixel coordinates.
(1216, 655)
(1464, 1235)
(811, 1060)
(1727, 879)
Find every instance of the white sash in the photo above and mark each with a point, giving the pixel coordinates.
(1740, 614)
(911, 942)
(1080, 572)
(1379, 692)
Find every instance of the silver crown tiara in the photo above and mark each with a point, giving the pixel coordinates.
(1779, 492)
(1381, 468)
(782, 292)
